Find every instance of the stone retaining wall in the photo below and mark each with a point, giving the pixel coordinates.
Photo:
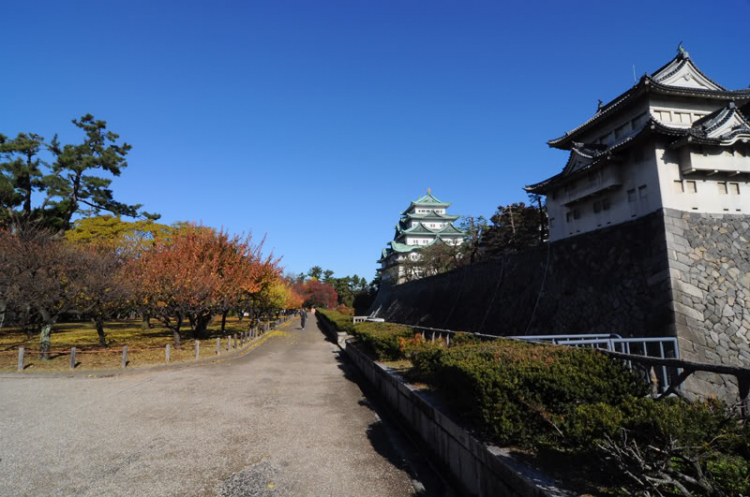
(608, 281)
(709, 275)
(670, 273)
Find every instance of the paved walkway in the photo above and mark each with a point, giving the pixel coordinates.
(284, 420)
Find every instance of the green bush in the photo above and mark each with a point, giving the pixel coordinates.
(573, 402)
(515, 391)
(703, 441)
(385, 342)
(339, 321)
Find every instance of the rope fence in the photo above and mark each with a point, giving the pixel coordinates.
(236, 341)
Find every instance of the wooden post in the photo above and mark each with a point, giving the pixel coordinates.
(72, 358)
(447, 339)
(433, 337)
(234, 339)
(124, 356)
(229, 343)
(218, 346)
(197, 349)
(166, 353)
(20, 358)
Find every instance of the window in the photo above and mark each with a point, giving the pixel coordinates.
(722, 187)
(663, 115)
(552, 222)
(631, 195)
(568, 216)
(682, 117)
(622, 130)
(631, 203)
(605, 204)
(679, 187)
(692, 187)
(597, 207)
(734, 188)
(576, 214)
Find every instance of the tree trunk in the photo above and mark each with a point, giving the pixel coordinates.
(200, 330)
(176, 333)
(44, 340)
(3, 308)
(100, 331)
(240, 315)
(224, 321)
(146, 323)
(191, 319)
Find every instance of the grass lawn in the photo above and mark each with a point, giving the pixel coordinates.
(146, 347)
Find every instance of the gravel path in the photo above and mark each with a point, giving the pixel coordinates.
(285, 420)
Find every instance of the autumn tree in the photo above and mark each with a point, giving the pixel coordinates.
(128, 237)
(106, 290)
(42, 277)
(317, 294)
(197, 273)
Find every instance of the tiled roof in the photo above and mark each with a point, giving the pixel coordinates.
(652, 84)
(450, 230)
(432, 216)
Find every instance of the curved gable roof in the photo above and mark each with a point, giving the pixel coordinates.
(680, 76)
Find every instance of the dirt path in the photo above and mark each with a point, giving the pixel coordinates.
(284, 420)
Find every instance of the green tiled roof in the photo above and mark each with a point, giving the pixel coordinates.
(402, 248)
(419, 229)
(432, 215)
(428, 200)
(451, 230)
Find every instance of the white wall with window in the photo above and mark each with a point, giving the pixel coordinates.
(719, 192)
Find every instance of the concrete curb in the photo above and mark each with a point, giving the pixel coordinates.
(236, 354)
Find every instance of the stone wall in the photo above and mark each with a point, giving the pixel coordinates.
(709, 261)
(671, 273)
(614, 280)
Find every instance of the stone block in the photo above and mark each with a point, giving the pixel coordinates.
(688, 289)
(688, 311)
(670, 228)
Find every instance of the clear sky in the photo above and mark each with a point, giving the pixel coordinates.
(316, 122)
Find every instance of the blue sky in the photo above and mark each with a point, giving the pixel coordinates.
(316, 122)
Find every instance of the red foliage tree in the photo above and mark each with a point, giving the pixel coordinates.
(198, 273)
(317, 294)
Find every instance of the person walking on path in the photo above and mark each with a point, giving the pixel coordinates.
(303, 317)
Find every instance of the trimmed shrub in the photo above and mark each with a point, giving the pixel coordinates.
(339, 322)
(383, 341)
(515, 391)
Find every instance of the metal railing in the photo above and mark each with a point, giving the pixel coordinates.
(658, 348)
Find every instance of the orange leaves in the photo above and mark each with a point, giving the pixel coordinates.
(202, 270)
